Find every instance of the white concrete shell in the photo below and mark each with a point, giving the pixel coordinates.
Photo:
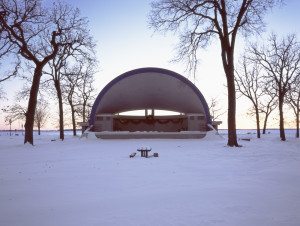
(150, 88)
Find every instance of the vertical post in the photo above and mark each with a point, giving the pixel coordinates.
(9, 127)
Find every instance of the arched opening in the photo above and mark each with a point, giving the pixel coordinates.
(158, 112)
(150, 120)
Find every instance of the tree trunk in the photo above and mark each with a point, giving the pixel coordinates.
(61, 111)
(281, 120)
(228, 65)
(39, 128)
(83, 111)
(265, 124)
(232, 138)
(257, 122)
(32, 105)
(73, 120)
(297, 126)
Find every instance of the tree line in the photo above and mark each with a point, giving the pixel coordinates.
(269, 76)
(53, 44)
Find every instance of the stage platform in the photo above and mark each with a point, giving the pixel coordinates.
(150, 135)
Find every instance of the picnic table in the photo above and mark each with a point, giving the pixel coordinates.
(144, 151)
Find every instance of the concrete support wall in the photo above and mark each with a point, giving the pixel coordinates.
(104, 123)
(196, 122)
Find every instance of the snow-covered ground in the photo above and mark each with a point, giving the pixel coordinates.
(192, 182)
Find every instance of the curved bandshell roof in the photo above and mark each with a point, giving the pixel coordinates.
(150, 88)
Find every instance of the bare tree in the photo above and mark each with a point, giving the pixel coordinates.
(203, 20)
(24, 21)
(70, 91)
(86, 90)
(18, 112)
(215, 109)
(55, 67)
(80, 44)
(14, 112)
(281, 61)
(248, 83)
(41, 114)
(293, 100)
(267, 106)
(78, 88)
(268, 102)
(37, 34)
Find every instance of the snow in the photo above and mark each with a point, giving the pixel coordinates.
(192, 182)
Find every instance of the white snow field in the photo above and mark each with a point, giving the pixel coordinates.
(83, 182)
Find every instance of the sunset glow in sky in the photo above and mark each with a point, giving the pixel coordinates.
(125, 42)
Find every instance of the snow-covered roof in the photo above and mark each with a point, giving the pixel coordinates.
(150, 88)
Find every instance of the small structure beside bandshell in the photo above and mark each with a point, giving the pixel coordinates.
(149, 89)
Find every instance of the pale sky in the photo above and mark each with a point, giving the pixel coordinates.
(125, 42)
